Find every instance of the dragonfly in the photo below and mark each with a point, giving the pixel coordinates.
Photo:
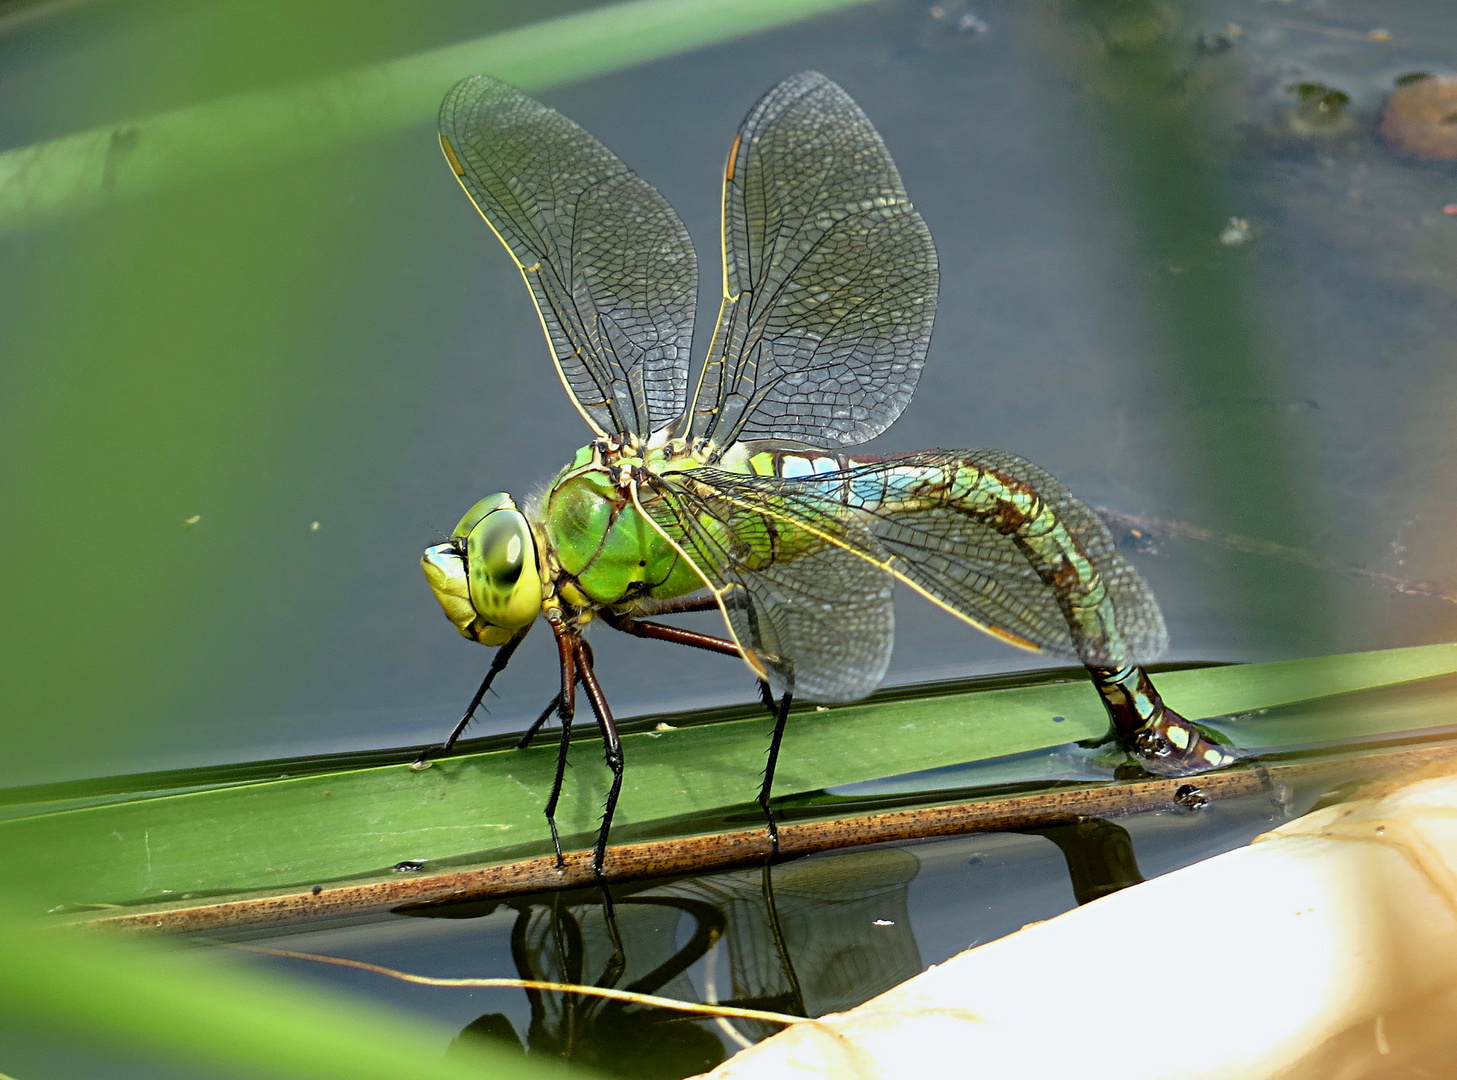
(746, 496)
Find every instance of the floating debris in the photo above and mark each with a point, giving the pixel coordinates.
(1236, 232)
(314, 526)
(1212, 43)
(960, 18)
(1321, 109)
(193, 520)
(1420, 118)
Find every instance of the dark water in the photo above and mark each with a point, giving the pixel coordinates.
(1077, 163)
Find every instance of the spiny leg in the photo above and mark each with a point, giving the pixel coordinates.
(530, 733)
(692, 638)
(498, 664)
(781, 714)
(566, 703)
(611, 749)
(556, 781)
(1161, 740)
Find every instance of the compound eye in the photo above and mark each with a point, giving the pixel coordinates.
(478, 512)
(505, 587)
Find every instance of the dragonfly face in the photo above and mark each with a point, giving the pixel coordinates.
(488, 578)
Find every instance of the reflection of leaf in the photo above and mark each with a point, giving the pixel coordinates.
(329, 826)
(199, 1009)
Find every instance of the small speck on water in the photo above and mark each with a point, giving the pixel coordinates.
(1236, 232)
(884, 922)
(313, 526)
(1058, 719)
(193, 520)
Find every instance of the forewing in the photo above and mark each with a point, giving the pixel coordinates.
(609, 264)
(829, 278)
(815, 616)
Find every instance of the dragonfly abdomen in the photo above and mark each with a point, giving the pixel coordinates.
(994, 539)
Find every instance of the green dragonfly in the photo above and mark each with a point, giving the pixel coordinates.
(746, 496)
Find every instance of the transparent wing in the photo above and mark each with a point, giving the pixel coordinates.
(984, 534)
(829, 278)
(1055, 578)
(608, 262)
(814, 616)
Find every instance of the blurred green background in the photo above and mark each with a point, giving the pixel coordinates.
(236, 405)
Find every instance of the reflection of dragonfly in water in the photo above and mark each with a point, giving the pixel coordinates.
(832, 933)
(742, 497)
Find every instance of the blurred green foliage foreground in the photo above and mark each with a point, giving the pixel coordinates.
(112, 317)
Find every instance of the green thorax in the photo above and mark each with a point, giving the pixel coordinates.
(601, 548)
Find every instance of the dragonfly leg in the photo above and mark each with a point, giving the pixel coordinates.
(611, 748)
(498, 664)
(781, 714)
(676, 634)
(1161, 740)
(557, 778)
(530, 733)
(566, 701)
(692, 638)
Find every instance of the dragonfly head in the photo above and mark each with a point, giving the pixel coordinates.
(487, 577)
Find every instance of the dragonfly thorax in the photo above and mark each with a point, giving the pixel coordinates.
(602, 549)
(488, 577)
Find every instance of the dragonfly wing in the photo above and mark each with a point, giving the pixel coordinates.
(829, 278)
(821, 623)
(608, 262)
(1066, 590)
(986, 535)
